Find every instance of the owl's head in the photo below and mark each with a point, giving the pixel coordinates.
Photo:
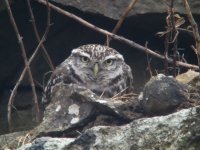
(96, 61)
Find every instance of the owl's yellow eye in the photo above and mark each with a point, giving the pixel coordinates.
(109, 62)
(84, 59)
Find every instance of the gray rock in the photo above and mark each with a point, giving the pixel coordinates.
(11, 140)
(187, 77)
(77, 112)
(180, 130)
(114, 9)
(162, 94)
(47, 143)
(74, 108)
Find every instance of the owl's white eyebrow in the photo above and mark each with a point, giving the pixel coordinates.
(77, 51)
(84, 54)
(74, 51)
(114, 57)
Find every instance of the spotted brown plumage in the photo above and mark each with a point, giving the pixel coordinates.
(99, 68)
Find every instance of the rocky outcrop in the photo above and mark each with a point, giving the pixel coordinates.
(114, 9)
(74, 108)
(95, 123)
(176, 131)
(180, 130)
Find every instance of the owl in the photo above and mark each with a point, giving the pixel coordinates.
(97, 67)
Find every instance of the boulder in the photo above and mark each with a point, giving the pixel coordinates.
(114, 9)
(163, 94)
(76, 118)
(179, 130)
(74, 109)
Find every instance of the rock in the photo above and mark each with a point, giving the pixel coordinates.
(176, 131)
(195, 82)
(11, 140)
(162, 94)
(48, 143)
(114, 9)
(74, 108)
(192, 79)
(187, 77)
(179, 130)
(93, 123)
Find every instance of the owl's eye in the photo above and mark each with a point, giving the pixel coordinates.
(109, 62)
(84, 59)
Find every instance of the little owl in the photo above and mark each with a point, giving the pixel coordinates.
(99, 68)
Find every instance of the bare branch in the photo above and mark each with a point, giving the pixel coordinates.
(121, 20)
(166, 51)
(26, 66)
(174, 34)
(194, 29)
(45, 53)
(116, 37)
(14, 91)
(148, 60)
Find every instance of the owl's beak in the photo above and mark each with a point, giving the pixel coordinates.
(96, 69)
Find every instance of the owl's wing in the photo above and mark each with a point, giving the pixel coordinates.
(60, 75)
(129, 75)
(64, 73)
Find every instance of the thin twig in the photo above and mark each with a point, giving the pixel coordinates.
(119, 93)
(166, 45)
(195, 51)
(148, 61)
(102, 94)
(124, 96)
(174, 34)
(26, 66)
(45, 53)
(121, 20)
(184, 30)
(194, 29)
(116, 37)
(14, 91)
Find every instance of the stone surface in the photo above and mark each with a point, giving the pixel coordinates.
(192, 79)
(180, 130)
(10, 141)
(163, 94)
(176, 131)
(47, 143)
(114, 9)
(74, 108)
(66, 110)
(187, 77)
(96, 123)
